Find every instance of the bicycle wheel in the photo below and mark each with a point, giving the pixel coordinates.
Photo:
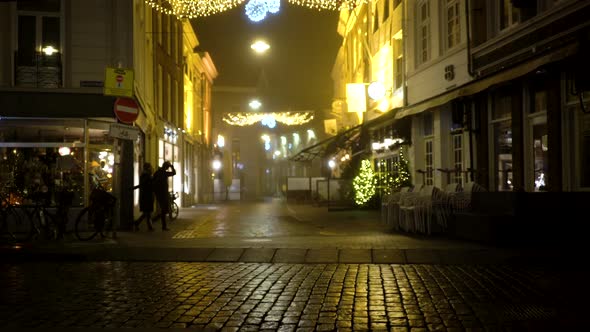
(173, 211)
(15, 227)
(46, 224)
(87, 224)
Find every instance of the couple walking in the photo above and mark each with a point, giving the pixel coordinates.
(150, 186)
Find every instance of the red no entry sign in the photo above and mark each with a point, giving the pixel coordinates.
(126, 110)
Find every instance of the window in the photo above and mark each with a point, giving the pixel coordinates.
(160, 89)
(501, 129)
(376, 20)
(457, 158)
(423, 32)
(453, 25)
(429, 162)
(38, 28)
(159, 27)
(428, 124)
(398, 72)
(509, 15)
(386, 10)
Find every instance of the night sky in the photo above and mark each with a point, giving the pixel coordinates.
(304, 43)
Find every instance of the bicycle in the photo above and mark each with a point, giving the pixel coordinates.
(97, 218)
(173, 206)
(50, 225)
(13, 226)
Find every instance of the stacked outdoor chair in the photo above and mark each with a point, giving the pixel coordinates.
(461, 201)
(416, 210)
(393, 208)
(442, 205)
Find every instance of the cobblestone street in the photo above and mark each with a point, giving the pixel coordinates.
(290, 297)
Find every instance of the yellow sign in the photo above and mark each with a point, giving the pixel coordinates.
(118, 82)
(356, 97)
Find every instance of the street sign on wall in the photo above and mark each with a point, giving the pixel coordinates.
(118, 82)
(122, 131)
(126, 110)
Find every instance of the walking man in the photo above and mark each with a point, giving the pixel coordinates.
(146, 197)
(160, 187)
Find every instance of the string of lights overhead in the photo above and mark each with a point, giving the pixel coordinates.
(250, 118)
(199, 8)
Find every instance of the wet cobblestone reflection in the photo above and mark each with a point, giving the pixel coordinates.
(286, 297)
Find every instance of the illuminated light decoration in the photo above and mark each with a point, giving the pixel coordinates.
(364, 184)
(328, 4)
(256, 10)
(216, 164)
(402, 178)
(269, 121)
(249, 118)
(199, 8)
(273, 6)
(193, 8)
(220, 141)
(266, 146)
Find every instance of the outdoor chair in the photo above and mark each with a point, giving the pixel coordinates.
(442, 205)
(461, 201)
(393, 208)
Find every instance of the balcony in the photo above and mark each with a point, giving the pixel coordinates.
(37, 70)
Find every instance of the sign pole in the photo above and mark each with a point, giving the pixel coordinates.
(117, 188)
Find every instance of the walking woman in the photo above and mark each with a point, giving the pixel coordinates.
(146, 197)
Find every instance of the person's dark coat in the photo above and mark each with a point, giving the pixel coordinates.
(146, 194)
(160, 187)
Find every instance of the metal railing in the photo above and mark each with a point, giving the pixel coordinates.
(37, 70)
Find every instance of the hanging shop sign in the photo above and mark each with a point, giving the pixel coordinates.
(118, 82)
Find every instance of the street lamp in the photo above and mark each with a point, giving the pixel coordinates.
(216, 164)
(260, 46)
(255, 104)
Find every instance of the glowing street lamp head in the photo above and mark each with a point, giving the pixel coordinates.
(49, 50)
(332, 163)
(255, 104)
(260, 46)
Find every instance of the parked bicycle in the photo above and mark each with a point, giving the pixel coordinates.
(49, 225)
(173, 206)
(14, 226)
(97, 217)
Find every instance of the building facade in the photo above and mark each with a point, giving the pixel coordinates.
(57, 121)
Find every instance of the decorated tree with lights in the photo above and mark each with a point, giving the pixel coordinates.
(364, 184)
(402, 178)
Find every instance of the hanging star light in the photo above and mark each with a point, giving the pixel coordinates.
(256, 10)
(192, 8)
(249, 118)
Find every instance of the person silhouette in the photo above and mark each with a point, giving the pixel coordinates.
(160, 187)
(146, 197)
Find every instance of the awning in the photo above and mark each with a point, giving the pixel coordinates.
(341, 140)
(482, 84)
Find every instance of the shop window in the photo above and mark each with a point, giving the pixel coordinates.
(41, 174)
(502, 132)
